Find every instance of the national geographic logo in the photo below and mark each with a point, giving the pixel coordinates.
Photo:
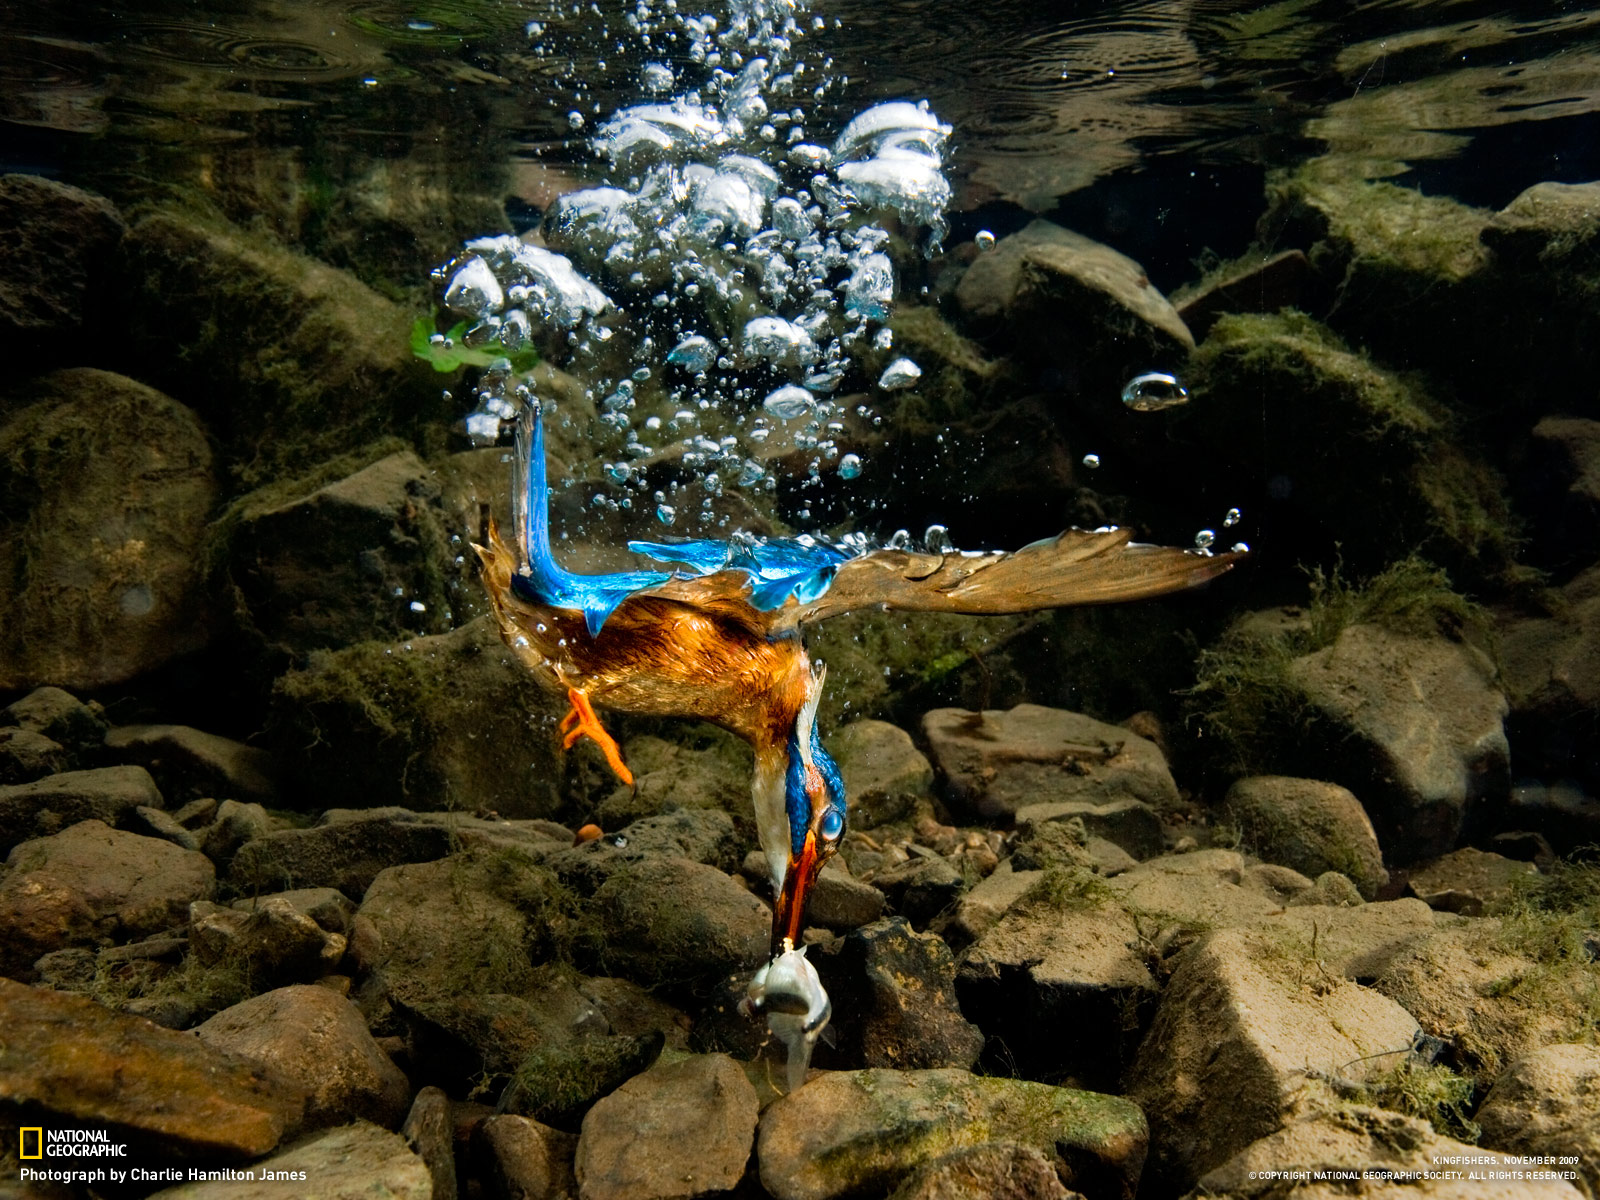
(37, 1143)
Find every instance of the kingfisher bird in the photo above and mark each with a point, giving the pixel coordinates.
(718, 638)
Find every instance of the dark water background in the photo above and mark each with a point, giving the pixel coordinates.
(1148, 125)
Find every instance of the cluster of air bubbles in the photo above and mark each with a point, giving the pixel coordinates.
(1154, 391)
(722, 283)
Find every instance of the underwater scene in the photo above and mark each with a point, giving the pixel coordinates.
(649, 599)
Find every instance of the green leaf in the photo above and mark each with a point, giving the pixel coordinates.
(452, 358)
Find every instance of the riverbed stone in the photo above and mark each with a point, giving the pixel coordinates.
(1468, 881)
(1559, 490)
(1059, 983)
(1418, 723)
(317, 1040)
(1344, 1142)
(361, 558)
(359, 1161)
(91, 882)
(346, 850)
(837, 899)
(884, 772)
(26, 756)
(994, 763)
(430, 1131)
(1132, 825)
(269, 937)
(681, 1129)
(53, 267)
(1308, 825)
(166, 1091)
(667, 920)
(1250, 1016)
(922, 888)
(447, 722)
(290, 361)
(109, 485)
(189, 763)
(49, 805)
(62, 717)
(1548, 1102)
(525, 1159)
(980, 909)
(894, 1000)
(994, 1171)
(857, 1132)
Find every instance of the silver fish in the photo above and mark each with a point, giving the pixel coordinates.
(790, 992)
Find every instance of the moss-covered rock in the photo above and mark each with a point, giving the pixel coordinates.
(1340, 445)
(1308, 825)
(105, 488)
(53, 262)
(444, 722)
(291, 361)
(861, 1132)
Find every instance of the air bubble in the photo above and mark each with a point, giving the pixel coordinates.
(1154, 391)
(1091, 461)
(1205, 539)
(983, 240)
(850, 466)
(1233, 517)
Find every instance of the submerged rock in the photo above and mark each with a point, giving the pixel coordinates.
(1251, 1017)
(884, 772)
(48, 805)
(1468, 881)
(1548, 1102)
(430, 1131)
(681, 1129)
(856, 1132)
(106, 487)
(91, 882)
(165, 1092)
(526, 1160)
(1308, 825)
(361, 558)
(26, 756)
(60, 240)
(352, 1162)
(269, 939)
(894, 1000)
(445, 722)
(994, 1171)
(62, 717)
(1345, 1143)
(995, 762)
(190, 763)
(315, 1039)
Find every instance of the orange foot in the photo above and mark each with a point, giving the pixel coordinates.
(581, 722)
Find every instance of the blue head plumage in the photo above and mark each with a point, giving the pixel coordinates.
(813, 787)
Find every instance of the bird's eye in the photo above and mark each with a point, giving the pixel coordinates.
(832, 825)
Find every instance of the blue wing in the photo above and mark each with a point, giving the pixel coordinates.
(777, 567)
(546, 581)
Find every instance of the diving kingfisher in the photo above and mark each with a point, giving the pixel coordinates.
(718, 638)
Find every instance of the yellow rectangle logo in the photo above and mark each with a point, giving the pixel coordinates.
(38, 1141)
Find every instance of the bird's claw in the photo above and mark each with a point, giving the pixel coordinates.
(581, 722)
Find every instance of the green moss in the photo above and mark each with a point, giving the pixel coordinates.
(1070, 889)
(1437, 1094)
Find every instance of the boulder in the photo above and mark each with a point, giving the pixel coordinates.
(994, 763)
(667, 920)
(354, 1162)
(107, 486)
(189, 763)
(49, 805)
(837, 900)
(268, 938)
(1468, 881)
(1201, 890)
(53, 265)
(476, 921)
(446, 722)
(978, 911)
(681, 1129)
(91, 882)
(859, 1132)
(1255, 284)
(702, 835)
(1308, 825)
(233, 824)
(361, 558)
(993, 1171)
(62, 717)
(345, 850)
(705, 769)
(165, 1092)
(1067, 292)
(1059, 982)
(884, 772)
(525, 1160)
(1252, 1017)
(1130, 825)
(26, 756)
(290, 361)
(1415, 728)
(430, 1131)
(1355, 1150)
(894, 1000)
(315, 1039)
(157, 822)
(1547, 1102)
(922, 888)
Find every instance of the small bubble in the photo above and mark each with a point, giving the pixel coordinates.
(1241, 547)
(1205, 539)
(983, 240)
(417, 606)
(666, 514)
(1091, 461)
(937, 540)
(575, 119)
(1154, 391)
(850, 466)
(1233, 517)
